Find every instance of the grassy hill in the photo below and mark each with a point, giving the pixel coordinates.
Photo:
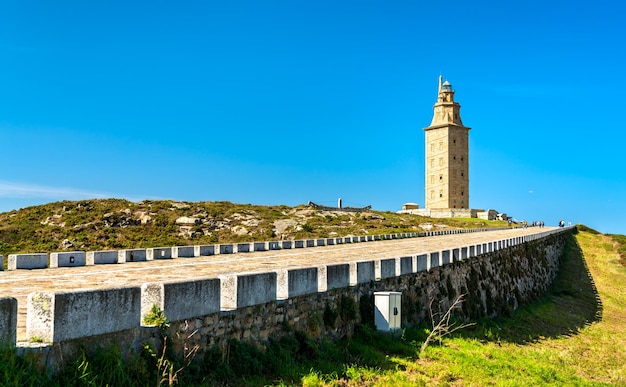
(91, 225)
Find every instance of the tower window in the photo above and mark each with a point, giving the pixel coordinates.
(462, 193)
(440, 177)
(461, 174)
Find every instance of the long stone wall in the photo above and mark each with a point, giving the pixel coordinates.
(493, 283)
(495, 277)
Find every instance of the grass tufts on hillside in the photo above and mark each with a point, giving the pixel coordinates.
(620, 241)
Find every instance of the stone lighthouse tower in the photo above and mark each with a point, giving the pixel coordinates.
(447, 155)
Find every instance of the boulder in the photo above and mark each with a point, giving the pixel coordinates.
(187, 220)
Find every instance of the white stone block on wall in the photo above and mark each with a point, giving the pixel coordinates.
(282, 284)
(68, 259)
(204, 250)
(296, 282)
(28, 261)
(422, 262)
(225, 248)
(388, 268)
(243, 247)
(228, 292)
(183, 252)
(155, 253)
(255, 289)
(337, 276)
(133, 255)
(273, 245)
(151, 295)
(260, 246)
(182, 299)
(102, 257)
(56, 317)
(302, 281)
(406, 265)
(322, 283)
(445, 257)
(364, 272)
(434, 260)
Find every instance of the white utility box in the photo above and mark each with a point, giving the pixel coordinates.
(387, 313)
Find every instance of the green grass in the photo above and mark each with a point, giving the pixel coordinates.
(620, 242)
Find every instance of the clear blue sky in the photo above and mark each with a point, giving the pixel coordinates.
(282, 102)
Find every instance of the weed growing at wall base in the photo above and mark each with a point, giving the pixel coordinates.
(156, 317)
(19, 371)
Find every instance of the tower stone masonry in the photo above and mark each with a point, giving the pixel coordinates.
(447, 154)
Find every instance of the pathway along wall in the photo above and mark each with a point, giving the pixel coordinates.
(494, 283)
